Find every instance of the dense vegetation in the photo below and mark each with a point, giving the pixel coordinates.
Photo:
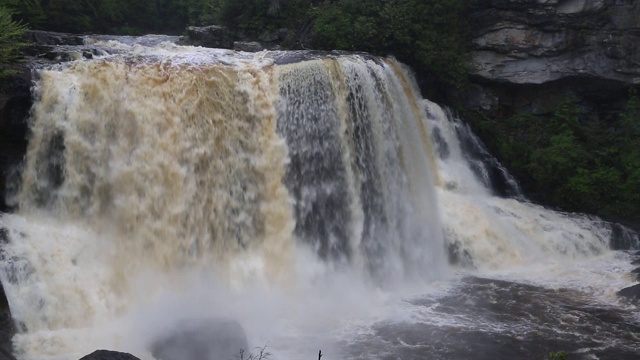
(11, 43)
(574, 159)
(427, 35)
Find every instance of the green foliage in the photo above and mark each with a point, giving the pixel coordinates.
(572, 159)
(26, 11)
(560, 355)
(102, 16)
(427, 35)
(11, 44)
(203, 12)
(254, 17)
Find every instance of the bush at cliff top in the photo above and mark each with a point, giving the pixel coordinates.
(11, 34)
(427, 35)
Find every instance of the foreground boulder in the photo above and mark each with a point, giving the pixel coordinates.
(109, 355)
(210, 339)
(631, 293)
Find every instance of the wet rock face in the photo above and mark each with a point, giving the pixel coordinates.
(14, 111)
(215, 36)
(533, 42)
(212, 36)
(539, 41)
(212, 339)
(632, 293)
(53, 38)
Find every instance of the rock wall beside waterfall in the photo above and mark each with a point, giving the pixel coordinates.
(15, 102)
(532, 58)
(525, 52)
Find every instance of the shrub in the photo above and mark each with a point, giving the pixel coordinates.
(11, 44)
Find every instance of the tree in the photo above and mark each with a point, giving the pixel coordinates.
(11, 43)
(428, 35)
(28, 12)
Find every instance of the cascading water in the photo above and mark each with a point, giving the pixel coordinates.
(289, 191)
(168, 161)
(486, 231)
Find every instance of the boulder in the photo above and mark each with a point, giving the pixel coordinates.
(109, 355)
(212, 36)
(631, 292)
(210, 339)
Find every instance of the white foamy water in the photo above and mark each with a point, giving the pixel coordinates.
(298, 194)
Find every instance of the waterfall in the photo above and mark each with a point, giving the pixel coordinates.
(161, 166)
(165, 160)
(486, 231)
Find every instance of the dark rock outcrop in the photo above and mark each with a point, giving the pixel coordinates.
(215, 36)
(623, 237)
(526, 52)
(212, 36)
(534, 42)
(15, 103)
(54, 38)
(45, 48)
(632, 293)
(109, 355)
(211, 339)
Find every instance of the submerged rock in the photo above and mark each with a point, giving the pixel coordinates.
(631, 292)
(211, 339)
(109, 355)
(248, 46)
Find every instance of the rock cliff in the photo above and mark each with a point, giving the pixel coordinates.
(526, 51)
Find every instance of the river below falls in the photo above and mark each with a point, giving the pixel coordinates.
(527, 313)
